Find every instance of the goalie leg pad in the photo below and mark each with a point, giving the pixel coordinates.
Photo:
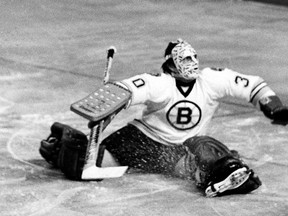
(219, 170)
(206, 151)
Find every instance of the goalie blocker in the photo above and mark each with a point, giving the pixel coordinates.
(102, 103)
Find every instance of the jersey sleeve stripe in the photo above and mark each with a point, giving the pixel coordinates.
(257, 88)
(259, 91)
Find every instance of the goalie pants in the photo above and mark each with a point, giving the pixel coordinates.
(130, 147)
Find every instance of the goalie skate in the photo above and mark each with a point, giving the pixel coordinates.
(102, 103)
(234, 180)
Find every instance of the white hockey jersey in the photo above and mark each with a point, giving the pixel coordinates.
(175, 111)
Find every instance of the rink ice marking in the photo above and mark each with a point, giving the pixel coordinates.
(9, 147)
(18, 76)
(7, 104)
(44, 206)
(61, 198)
(13, 180)
(30, 119)
(156, 188)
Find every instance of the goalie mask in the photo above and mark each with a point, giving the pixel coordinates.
(185, 60)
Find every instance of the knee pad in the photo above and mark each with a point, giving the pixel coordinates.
(207, 149)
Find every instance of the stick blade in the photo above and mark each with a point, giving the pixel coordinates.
(94, 172)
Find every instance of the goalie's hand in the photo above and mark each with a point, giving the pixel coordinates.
(273, 108)
(280, 115)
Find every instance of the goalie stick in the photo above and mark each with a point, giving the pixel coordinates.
(99, 108)
(104, 101)
(110, 53)
(90, 170)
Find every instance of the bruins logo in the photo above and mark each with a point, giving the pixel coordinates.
(184, 115)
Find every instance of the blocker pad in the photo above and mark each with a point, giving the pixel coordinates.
(102, 102)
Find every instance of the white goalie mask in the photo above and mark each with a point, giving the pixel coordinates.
(185, 60)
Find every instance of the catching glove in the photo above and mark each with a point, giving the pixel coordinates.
(50, 147)
(273, 108)
(65, 148)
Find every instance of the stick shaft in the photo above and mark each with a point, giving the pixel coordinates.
(93, 145)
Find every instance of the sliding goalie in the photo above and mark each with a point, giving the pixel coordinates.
(170, 137)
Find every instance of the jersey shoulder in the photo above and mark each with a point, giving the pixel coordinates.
(159, 79)
(215, 70)
(158, 82)
(217, 79)
(216, 73)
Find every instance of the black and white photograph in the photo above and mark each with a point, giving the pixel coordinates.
(143, 107)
